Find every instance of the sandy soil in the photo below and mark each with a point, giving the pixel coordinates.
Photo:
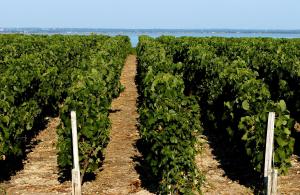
(227, 175)
(290, 183)
(216, 180)
(40, 173)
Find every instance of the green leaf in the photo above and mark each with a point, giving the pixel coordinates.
(5, 119)
(287, 131)
(281, 154)
(245, 137)
(245, 105)
(227, 104)
(282, 105)
(173, 140)
(281, 142)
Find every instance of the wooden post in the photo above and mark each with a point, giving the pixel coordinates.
(274, 182)
(76, 183)
(268, 171)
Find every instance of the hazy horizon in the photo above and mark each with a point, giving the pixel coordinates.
(173, 29)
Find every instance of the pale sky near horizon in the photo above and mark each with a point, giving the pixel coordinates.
(193, 14)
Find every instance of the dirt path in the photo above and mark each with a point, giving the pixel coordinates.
(119, 175)
(290, 183)
(40, 173)
(220, 181)
(216, 180)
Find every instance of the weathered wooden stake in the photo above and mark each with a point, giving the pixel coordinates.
(270, 175)
(76, 183)
(274, 182)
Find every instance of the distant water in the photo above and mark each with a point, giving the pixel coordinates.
(133, 34)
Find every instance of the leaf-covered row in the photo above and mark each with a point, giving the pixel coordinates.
(238, 81)
(41, 75)
(169, 120)
(93, 86)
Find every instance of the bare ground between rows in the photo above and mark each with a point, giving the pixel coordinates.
(119, 174)
(214, 164)
(40, 172)
(227, 172)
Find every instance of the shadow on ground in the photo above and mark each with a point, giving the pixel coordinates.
(234, 162)
(296, 135)
(12, 164)
(148, 181)
(114, 110)
(65, 174)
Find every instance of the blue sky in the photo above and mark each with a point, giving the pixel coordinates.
(196, 14)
